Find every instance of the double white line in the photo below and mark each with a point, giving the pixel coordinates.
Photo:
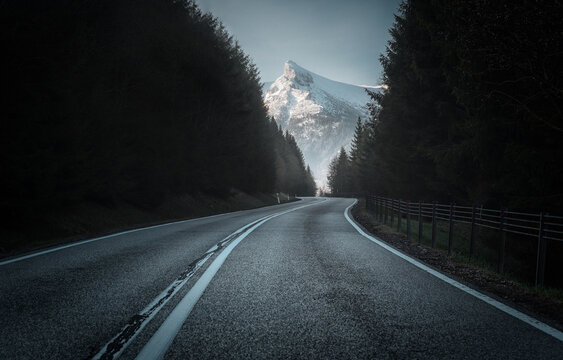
(156, 347)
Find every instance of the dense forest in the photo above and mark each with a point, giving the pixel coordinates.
(131, 101)
(473, 110)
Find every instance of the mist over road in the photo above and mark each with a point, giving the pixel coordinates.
(296, 280)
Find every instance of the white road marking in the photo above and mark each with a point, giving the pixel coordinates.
(6, 262)
(115, 347)
(502, 307)
(148, 313)
(156, 347)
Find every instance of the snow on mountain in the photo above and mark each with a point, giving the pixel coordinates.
(319, 112)
(266, 86)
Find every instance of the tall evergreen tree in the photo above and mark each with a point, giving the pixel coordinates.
(339, 175)
(471, 109)
(137, 102)
(359, 154)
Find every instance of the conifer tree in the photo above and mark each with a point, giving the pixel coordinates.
(130, 102)
(358, 155)
(470, 113)
(339, 173)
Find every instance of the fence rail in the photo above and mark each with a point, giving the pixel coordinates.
(543, 227)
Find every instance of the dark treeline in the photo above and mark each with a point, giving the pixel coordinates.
(134, 101)
(292, 176)
(474, 107)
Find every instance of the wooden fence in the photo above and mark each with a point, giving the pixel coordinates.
(542, 227)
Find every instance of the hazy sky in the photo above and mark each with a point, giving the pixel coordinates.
(338, 39)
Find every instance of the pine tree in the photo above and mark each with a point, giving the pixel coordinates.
(339, 173)
(358, 157)
(472, 109)
(131, 102)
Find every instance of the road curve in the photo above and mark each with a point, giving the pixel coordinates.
(289, 281)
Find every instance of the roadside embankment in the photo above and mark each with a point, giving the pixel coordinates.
(91, 219)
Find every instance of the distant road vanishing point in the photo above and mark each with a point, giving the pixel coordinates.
(294, 281)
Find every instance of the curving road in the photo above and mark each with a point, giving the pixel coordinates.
(297, 280)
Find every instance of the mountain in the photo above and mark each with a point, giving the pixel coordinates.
(266, 86)
(320, 113)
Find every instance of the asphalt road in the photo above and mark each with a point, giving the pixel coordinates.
(301, 284)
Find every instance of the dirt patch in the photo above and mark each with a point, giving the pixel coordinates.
(546, 308)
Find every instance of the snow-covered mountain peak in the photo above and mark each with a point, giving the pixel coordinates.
(303, 79)
(295, 72)
(320, 113)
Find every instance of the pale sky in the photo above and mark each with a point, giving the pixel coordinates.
(338, 39)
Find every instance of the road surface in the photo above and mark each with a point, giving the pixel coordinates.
(296, 280)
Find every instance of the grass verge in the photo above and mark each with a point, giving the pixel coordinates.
(90, 220)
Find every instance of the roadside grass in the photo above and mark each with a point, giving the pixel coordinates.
(550, 292)
(483, 257)
(91, 219)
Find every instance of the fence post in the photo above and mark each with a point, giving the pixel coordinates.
(377, 207)
(451, 233)
(380, 209)
(419, 222)
(408, 220)
(399, 217)
(386, 211)
(502, 244)
(433, 224)
(542, 250)
(392, 212)
(472, 236)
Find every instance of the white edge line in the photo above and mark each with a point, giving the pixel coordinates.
(158, 344)
(20, 258)
(502, 307)
(152, 315)
(164, 293)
